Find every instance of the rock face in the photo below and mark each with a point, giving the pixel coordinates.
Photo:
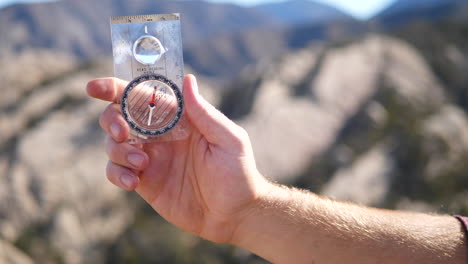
(52, 181)
(304, 101)
(447, 140)
(371, 172)
(370, 114)
(10, 254)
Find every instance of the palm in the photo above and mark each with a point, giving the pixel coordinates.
(196, 186)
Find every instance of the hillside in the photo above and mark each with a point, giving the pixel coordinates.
(403, 12)
(445, 47)
(386, 125)
(401, 6)
(240, 51)
(303, 12)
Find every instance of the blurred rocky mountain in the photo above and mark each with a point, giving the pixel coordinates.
(49, 189)
(444, 45)
(403, 12)
(303, 12)
(237, 51)
(376, 114)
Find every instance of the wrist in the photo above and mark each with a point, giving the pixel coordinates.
(279, 225)
(267, 195)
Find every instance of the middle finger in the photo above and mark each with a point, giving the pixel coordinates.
(126, 155)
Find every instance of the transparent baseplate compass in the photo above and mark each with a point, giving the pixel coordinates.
(148, 54)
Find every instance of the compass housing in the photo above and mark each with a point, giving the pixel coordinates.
(130, 106)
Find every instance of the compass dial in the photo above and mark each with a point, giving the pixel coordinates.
(152, 105)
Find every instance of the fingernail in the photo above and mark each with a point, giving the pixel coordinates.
(136, 160)
(115, 130)
(127, 180)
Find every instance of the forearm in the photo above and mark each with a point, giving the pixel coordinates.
(291, 226)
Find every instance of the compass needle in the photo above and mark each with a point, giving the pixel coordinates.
(152, 105)
(150, 116)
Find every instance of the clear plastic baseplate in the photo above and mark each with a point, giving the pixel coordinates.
(148, 54)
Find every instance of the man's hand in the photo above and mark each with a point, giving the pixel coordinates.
(205, 185)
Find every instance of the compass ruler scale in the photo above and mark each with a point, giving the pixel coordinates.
(148, 54)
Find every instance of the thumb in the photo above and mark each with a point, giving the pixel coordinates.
(208, 120)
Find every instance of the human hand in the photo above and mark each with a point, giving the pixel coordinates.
(205, 185)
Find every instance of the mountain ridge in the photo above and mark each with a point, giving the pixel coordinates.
(404, 12)
(303, 12)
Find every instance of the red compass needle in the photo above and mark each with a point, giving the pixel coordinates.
(152, 105)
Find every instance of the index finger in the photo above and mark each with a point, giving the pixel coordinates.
(107, 89)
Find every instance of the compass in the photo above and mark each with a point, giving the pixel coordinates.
(152, 105)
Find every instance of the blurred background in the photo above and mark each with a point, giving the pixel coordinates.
(363, 101)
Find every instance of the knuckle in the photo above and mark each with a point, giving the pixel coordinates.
(111, 147)
(108, 88)
(107, 117)
(114, 109)
(109, 171)
(242, 134)
(103, 119)
(241, 137)
(102, 123)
